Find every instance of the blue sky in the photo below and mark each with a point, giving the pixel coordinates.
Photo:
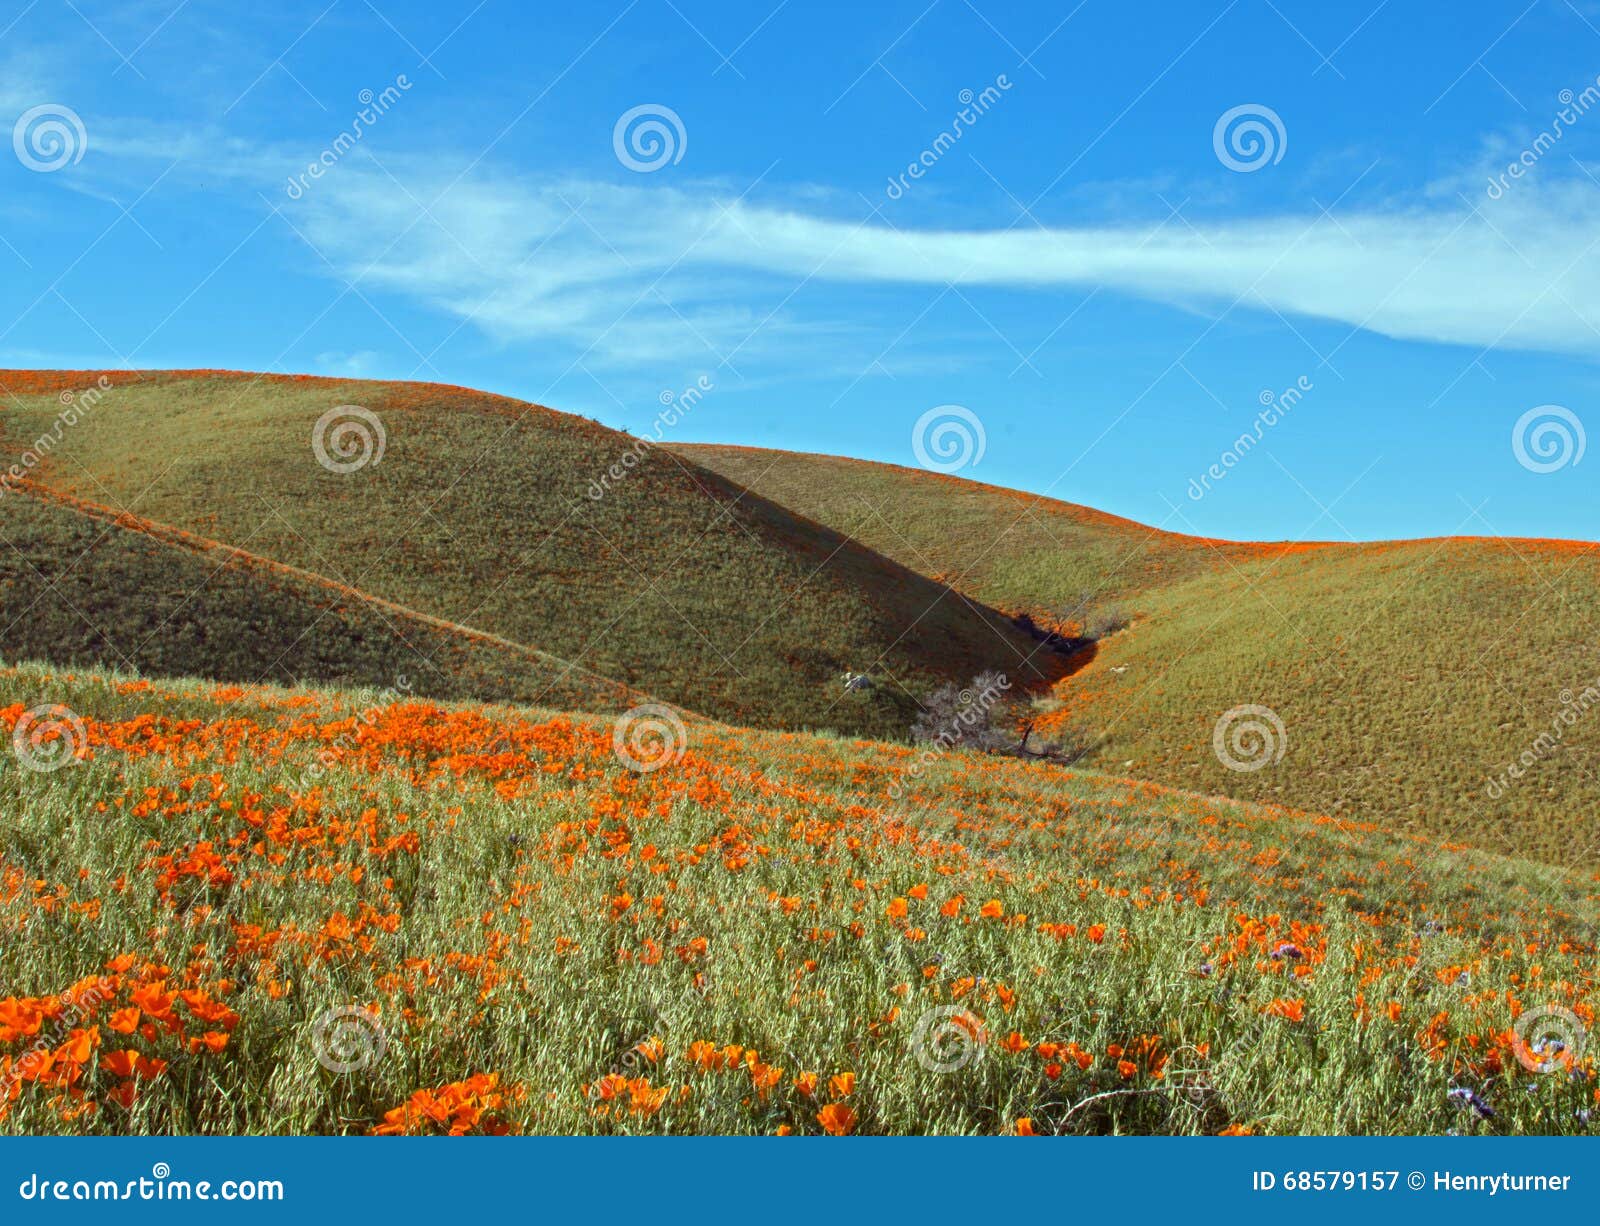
(1083, 271)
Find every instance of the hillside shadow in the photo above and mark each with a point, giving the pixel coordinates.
(952, 631)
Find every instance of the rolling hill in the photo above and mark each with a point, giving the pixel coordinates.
(535, 526)
(1410, 678)
(274, 528)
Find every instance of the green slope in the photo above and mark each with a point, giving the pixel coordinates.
(81, 587)
(479, 511)
(1409, 677)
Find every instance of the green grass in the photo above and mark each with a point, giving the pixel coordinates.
(84, 589)
(496, 886)
(1014, 550)
(1408, 676)
(676, 581)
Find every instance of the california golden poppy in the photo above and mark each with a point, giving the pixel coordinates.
(837, 1119)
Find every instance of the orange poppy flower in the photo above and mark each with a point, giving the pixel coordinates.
(707, 1055)
(837, 1120)
(149, 1069)
(79, 1046)
(764, 1077)
(842, 1085)
(120, 1063)
(1292, 1010)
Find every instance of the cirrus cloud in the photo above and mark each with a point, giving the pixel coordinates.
(671, 265)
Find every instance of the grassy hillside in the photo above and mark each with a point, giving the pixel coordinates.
(479, 511)
(288, 917)
(1017, 551)
(1444, 687)
(1409, 677)
(82, 586)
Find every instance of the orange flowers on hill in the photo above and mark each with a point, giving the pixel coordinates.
(309, 919)
(457, 1110)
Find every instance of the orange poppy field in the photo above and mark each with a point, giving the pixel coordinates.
(233, 909)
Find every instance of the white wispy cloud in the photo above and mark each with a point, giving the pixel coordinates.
(524, 259)
(641, 271)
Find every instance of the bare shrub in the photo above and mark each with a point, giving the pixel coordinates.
(1106, 622)
(1097, 621)
(982, 717)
